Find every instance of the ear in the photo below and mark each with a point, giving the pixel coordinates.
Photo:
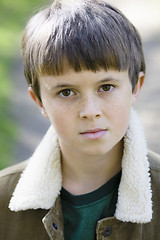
(138, 87)
(38, 102)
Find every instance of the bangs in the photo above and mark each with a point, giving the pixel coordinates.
(82, 45)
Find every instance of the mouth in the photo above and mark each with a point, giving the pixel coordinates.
(94, 134)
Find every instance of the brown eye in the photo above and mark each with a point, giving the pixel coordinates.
(106, 88)
(66, 93)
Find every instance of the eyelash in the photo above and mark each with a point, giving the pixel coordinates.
(73, 93)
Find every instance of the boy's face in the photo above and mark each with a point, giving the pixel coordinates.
(89, 111)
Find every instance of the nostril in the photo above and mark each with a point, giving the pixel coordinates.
(90, 115)
(83, 116)
(98, 115)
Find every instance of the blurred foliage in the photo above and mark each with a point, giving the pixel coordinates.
(13, 17)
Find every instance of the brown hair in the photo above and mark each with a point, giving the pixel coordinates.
(88, 34)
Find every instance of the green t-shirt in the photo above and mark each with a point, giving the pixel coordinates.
(81, 213)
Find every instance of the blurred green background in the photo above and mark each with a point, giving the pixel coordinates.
(21, 124)
(13, 17)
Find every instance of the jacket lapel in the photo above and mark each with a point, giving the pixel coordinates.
(53, 222)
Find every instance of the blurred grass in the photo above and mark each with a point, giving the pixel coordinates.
(13, 17)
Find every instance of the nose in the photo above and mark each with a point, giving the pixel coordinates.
(89, 109)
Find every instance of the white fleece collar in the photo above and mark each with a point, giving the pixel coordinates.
(41, 181)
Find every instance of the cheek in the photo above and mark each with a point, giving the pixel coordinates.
(122, 118)
(119, 114)
(60, 117)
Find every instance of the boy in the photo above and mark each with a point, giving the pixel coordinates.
(91, 177)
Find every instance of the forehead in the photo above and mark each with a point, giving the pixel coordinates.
(72, 77)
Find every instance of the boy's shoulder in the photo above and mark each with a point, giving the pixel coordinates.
(9, 178)
(154, 160)
(15, 169)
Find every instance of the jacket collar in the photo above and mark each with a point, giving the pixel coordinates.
(41, 181)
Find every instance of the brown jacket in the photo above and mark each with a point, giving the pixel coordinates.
(48, 224)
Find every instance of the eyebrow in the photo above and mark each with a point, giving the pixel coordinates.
(67, 85)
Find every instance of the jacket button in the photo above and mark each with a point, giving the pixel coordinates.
(55, 226)
(107, 231)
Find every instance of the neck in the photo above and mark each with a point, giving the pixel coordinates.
(85, 173)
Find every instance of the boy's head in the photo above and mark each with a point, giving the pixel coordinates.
(81, 35)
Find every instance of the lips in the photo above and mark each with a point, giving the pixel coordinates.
(94, 134)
